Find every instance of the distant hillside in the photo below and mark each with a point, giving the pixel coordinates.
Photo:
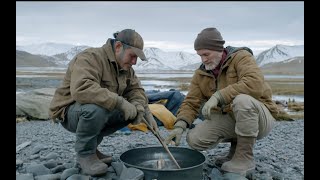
(290, 66)
(24, 59)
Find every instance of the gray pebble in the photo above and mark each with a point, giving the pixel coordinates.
(27, 176)
(278, 156)
(37, 169)
(132, 174)
(48, 177)
(69, 172)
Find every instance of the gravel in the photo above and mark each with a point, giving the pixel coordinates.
(46, 151)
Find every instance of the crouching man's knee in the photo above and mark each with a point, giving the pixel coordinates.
(201, 143)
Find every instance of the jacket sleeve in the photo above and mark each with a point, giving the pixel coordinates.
(135, 93)
(85, 83)
(250, 78)
(190, 107)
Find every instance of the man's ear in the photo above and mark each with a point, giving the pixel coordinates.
(118, 46)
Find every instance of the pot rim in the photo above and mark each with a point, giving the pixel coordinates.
(164, 170)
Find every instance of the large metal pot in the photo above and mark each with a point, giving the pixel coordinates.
(157, 165)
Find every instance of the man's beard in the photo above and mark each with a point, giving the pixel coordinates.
(120, 60)
(213, 64)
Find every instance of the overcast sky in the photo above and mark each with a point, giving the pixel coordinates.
(170, 26)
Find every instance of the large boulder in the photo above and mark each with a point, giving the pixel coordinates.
(34, 104)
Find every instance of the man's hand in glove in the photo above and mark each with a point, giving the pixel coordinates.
(177, 132)
(140, 114)
(144, 114)
(129, 110)
(138, 119)
(212, 102)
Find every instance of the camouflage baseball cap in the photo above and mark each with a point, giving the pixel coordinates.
(131, 38)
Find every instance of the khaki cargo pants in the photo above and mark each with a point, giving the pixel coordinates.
(250, 118)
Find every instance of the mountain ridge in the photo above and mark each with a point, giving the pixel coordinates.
(162, 60)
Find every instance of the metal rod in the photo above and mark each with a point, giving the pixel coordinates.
(162, 143)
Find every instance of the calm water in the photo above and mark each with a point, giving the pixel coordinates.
(42, 69)
(155, 82)
(173, 74)
(287, 97)
(165, 75)
(271, 76)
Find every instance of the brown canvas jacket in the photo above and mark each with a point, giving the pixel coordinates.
(239, 75)
(93, 76)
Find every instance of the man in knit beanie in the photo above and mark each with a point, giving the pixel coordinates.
(209, 38)
(238, 106)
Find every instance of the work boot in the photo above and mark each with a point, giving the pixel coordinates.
(104, 158)
(243, 160)
(91, 165)
(220, 160)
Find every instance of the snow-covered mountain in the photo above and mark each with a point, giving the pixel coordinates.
(159, 59)
(279, 53)
(64, 58)
(48, 49)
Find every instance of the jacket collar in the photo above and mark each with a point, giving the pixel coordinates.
(109, 50)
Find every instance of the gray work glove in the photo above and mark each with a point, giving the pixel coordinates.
(148, 117)
(140, 115)
(177, 132)
(212, 102)
(129, 110)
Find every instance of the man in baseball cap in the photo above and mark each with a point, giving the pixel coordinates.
(99, 95)
(133, 39)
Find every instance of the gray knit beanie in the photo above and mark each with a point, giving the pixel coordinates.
(209, 38)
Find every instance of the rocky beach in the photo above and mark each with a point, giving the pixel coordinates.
(45, 150)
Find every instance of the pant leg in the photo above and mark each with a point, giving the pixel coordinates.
(115, 121)
(91, 122)
(252, 117)
(174, 101)
(209, 133)
(72, 115)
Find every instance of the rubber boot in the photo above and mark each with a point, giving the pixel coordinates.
(104, 158)
(91, 165)
(243, 160)
(220, 160)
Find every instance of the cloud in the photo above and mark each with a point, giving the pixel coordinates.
(170, 46)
